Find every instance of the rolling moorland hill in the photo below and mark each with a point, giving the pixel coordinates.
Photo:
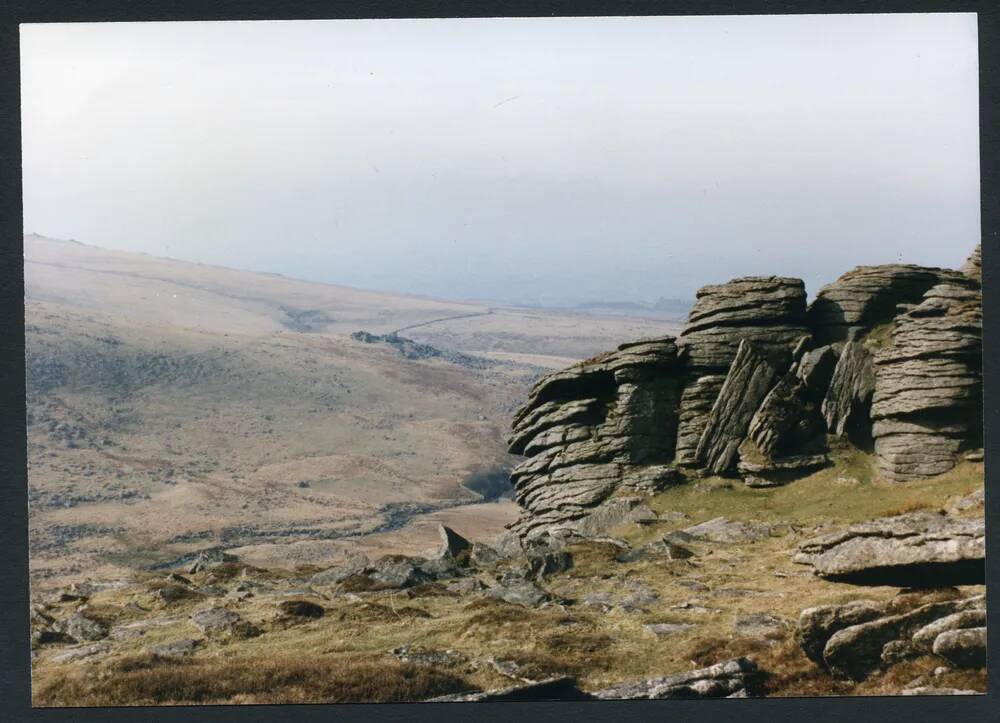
(176, 407)
(784, 500)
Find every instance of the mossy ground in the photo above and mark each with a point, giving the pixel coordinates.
(344, 655)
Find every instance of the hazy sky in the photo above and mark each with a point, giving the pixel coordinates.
(540, 160)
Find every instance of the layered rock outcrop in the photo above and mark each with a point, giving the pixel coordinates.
(927, 403)
(589, 430)
(887, 357)
(867, 296)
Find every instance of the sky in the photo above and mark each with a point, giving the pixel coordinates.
(549, 161)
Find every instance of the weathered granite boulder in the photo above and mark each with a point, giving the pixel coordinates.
(920, 550)
(858, 638)
(866, 297)
(927, 404)
(721, 529)
(747, 384)
(964, 648)
(815, 368)
(82, 628)
(847, 404)
(453, 545)
(818, 624)
(695, 405)
(588, 430)
(519, 592)
(786, 437)
(766, 310)
(722, 680)
(215, 620)
(353, 564)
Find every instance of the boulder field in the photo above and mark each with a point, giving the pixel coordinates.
(887, 357)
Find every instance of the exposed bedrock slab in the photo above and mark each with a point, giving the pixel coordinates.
(747, 384)
(920, 550)
(858, 638)
(867, 296)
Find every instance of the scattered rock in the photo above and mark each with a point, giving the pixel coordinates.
(523, 593)
(932, 690)
(721, 529)
(549, 563)
(856, 639)
(209, 559)
(398, 571)
(926, 636)
(137, 629)
(354, 564)
(818, 624)
(176, 593)
(717, 681)
(483, 555)
(215, 620)
(175, 648)
(418, 655)
(453, 545)
(465, 585)
(964, 648)
(81, 652)
(758, 625)
(82, 628)
(557, 688)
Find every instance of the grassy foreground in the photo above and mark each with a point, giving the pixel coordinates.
(344, 655)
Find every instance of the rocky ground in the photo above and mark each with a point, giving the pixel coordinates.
(712, 589)
(176, 407)
(785, 499)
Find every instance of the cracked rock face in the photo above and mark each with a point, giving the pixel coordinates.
(913, 550)
(746, 386)
(849, 394)
(927, 404)
(590, 429)
(867, 296)
(766, 310)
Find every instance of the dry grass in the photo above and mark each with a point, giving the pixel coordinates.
(711, 591)
(148, 680)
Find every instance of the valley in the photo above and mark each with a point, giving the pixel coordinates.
(175, 407)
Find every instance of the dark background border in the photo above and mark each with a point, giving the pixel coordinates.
(14, 645)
